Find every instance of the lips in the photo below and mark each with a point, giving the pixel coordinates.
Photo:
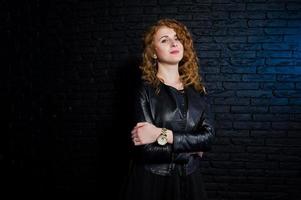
(174, 51)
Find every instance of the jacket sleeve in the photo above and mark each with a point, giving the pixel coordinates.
(153, 153)
(200, 138)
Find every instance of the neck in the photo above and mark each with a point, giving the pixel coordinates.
(169, 73)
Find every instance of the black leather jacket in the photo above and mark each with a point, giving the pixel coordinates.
(192, 130)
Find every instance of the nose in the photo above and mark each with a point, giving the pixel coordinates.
(174, 43)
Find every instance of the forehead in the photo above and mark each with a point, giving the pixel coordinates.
(163, 30)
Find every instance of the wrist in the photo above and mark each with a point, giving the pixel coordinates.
(169, 134)
(162, 138)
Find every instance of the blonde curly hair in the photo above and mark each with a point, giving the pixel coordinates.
(188, 66)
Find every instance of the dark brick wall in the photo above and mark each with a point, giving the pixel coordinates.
(72, 66)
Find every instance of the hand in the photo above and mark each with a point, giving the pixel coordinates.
(199, 153)
(145, 133)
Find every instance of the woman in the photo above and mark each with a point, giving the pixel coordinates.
(173, 125)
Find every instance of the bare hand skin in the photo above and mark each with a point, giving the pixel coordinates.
(200, 153)
(145, 133)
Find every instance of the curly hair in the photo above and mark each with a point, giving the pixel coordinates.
(188, 66)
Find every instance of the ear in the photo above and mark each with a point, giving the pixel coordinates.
(155, 56)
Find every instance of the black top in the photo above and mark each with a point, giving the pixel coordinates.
(186, 113)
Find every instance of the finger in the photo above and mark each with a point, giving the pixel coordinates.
(135, 128)
(139, 124)
(137, 143)
(134, 132)
(134, 136)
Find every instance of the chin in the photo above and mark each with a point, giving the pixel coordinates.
(178, 59)
(174, 62)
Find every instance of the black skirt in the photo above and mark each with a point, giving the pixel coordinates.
(144, 185)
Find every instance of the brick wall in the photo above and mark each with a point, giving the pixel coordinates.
(73, 64)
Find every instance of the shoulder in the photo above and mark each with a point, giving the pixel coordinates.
(144, 86)
(144, 89)
(204, 96)
(199, 95)
(192, 90)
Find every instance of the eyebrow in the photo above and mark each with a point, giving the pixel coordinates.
(167, 36)
(163, 37)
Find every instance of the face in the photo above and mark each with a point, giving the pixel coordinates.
(168, 48)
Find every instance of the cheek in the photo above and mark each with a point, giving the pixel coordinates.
(181, 46)
(160, 51)
(182, 49)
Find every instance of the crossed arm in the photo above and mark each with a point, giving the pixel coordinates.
(144, 135)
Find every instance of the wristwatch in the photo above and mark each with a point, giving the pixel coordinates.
(162, 139)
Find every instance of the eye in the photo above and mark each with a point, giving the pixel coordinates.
(163, 41)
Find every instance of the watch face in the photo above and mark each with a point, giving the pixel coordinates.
(162, 140)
